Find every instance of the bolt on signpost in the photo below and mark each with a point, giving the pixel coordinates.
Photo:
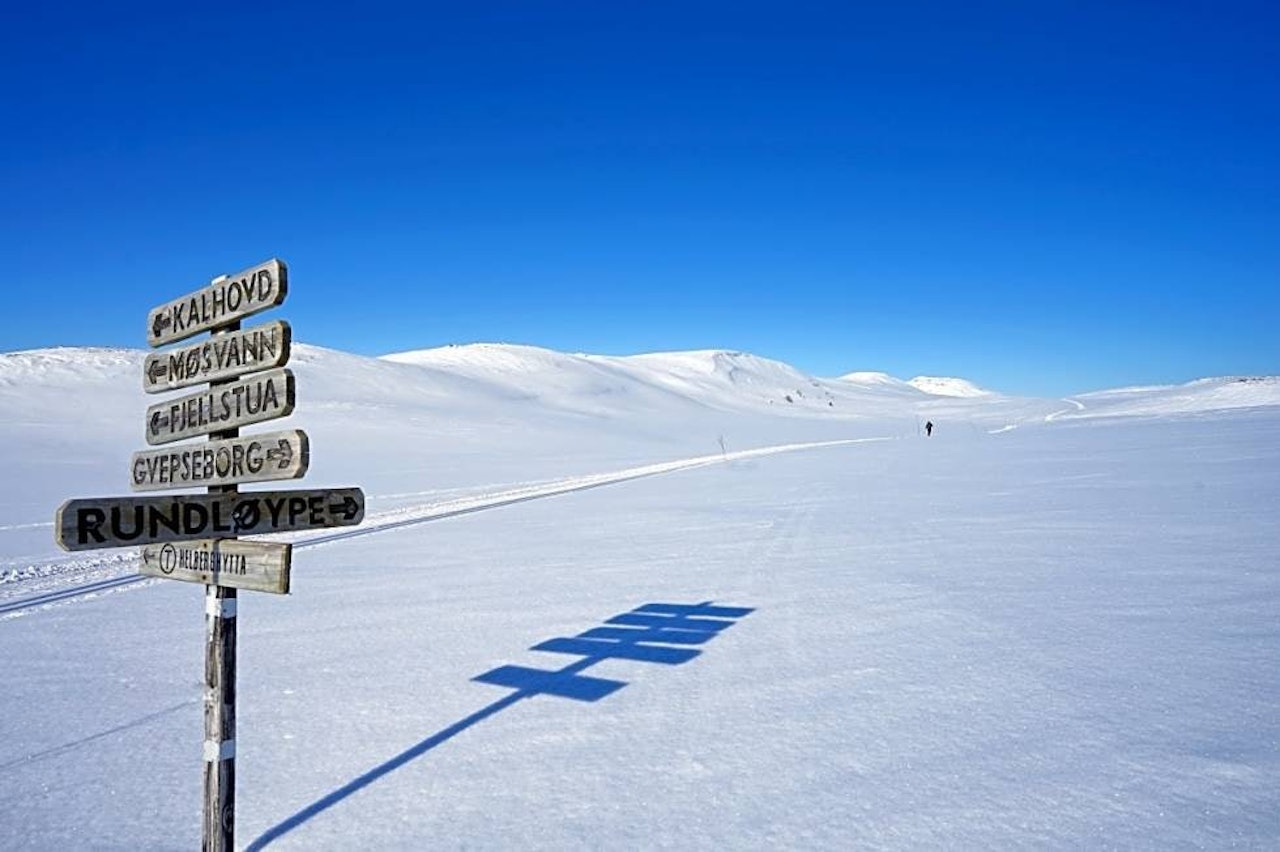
(196, 537)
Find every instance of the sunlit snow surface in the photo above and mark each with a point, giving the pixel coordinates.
(1055, 623)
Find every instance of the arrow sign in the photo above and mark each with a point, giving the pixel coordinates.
(282, 454)
(253, 400)
(98, 522)
(248, 458)
(222, 356)
(256, 565)
(226, 301)
(348, 509)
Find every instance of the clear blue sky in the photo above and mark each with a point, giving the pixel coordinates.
(1040, 196)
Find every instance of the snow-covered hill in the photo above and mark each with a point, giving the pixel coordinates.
(944, 386)
(481, 379)
(790, 620)
(878, 380)
(718, 379)
(1200, 396)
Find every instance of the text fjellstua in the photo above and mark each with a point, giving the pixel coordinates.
(260, 399)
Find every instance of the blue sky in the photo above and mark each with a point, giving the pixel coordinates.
(1043, 197)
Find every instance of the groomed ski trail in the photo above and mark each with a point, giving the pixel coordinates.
(408, 516)
(1077, 406)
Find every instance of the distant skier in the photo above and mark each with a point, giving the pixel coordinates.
(928, 429)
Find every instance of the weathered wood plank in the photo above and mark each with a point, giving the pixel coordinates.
(223, 356)
(256, 399)
(266, 457)
(221, 303)
(258, 566)
(98, 522)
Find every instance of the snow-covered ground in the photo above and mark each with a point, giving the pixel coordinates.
(1052, 624)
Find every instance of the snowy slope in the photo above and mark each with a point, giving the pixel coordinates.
(718, 379)
(944, 386)
(881, 381)
(1061, 635)
(730, 384)
(729, 377)
(1201, 396)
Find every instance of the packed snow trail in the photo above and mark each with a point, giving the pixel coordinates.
(1077, 406)
(68, 593)
(463, 506)
(422, 513)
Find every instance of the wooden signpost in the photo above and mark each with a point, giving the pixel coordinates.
(195, 537)
(220, 357)
(227, 300)
(256, 399)
(253, 458)
(257, 566)
(122, 521)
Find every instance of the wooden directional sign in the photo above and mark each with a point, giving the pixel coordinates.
(223, 302)
(223, 356)
(256, 399)
(256, 565)
(97, 522)
(195, 537)
(266, 457)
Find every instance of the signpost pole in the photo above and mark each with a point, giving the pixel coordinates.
(220, 693)
(194, 537)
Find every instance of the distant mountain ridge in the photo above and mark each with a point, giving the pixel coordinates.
(475, 377)
(931, 385)
(686, 369)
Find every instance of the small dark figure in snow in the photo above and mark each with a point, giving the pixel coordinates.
(928, 429)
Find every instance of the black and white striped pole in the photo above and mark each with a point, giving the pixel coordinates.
(220, 692)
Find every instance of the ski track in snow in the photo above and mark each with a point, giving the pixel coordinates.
(67, 577)
(31, 526)
(1077, 406)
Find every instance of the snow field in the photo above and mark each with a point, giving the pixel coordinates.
(1057, 636)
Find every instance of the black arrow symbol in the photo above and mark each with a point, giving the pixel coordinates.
(348, 508)
(284, 453)
(161, 322)
(158, 422)
(156, 370)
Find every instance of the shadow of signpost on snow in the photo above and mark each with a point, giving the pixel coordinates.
(662, 633)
